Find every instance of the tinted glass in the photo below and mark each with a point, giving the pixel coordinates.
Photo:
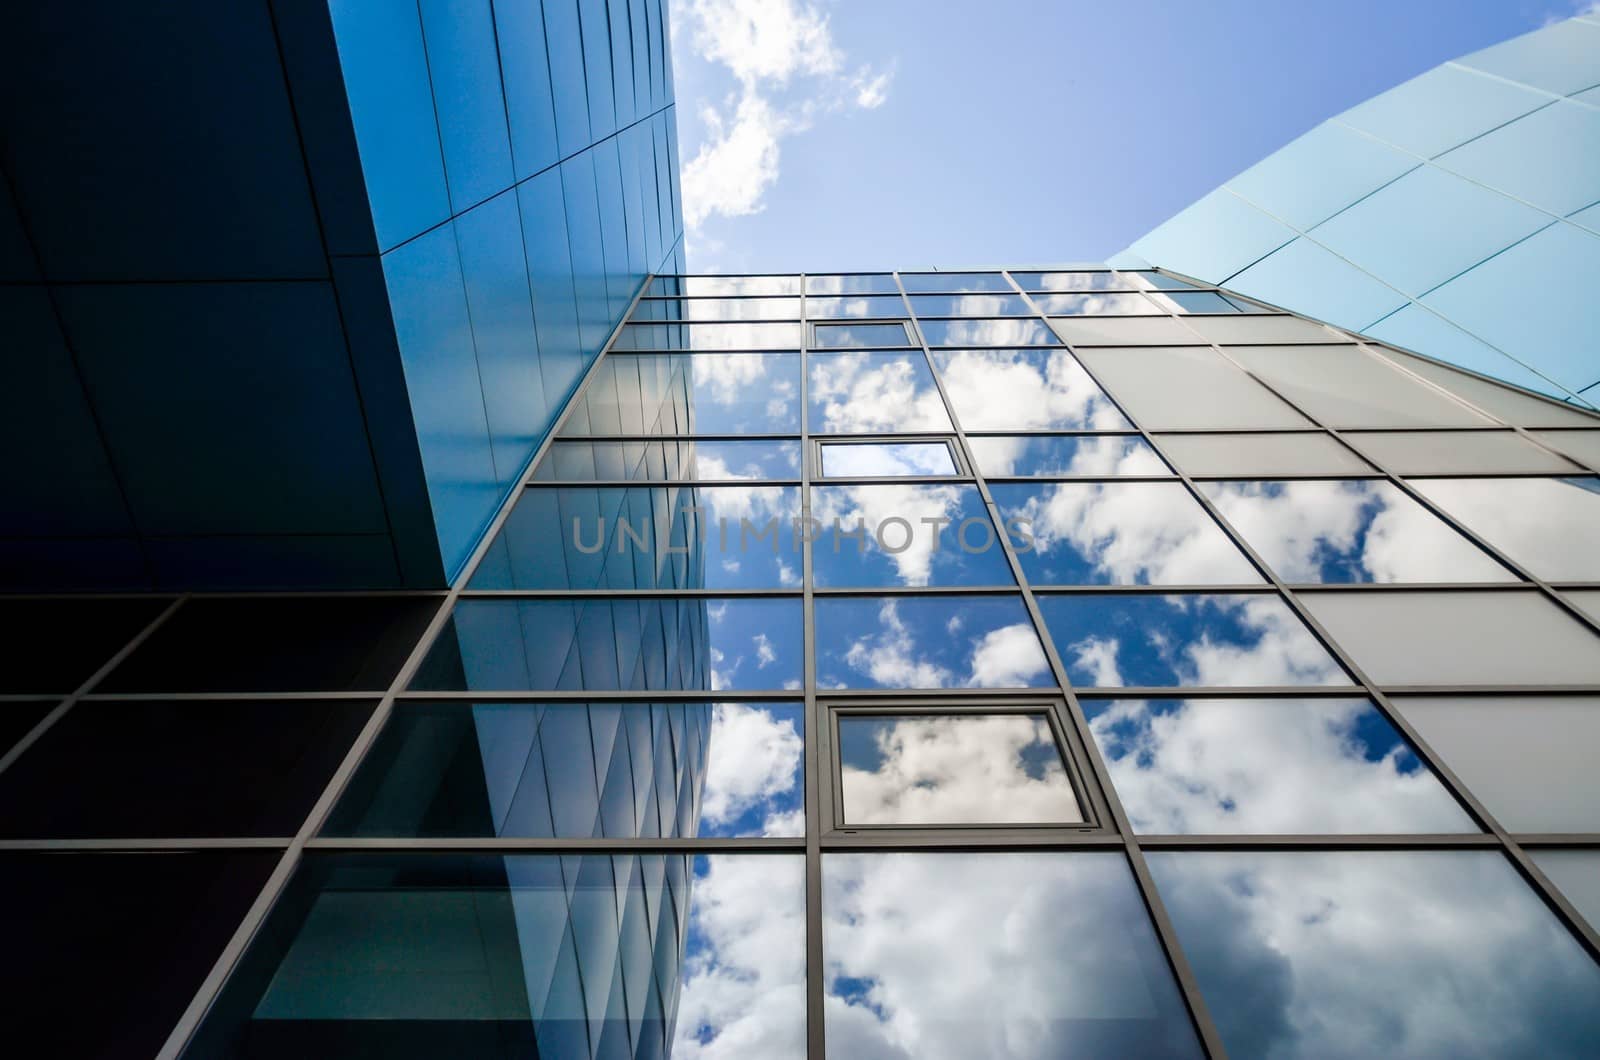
(953, 769)
(703, 286)
(186, 768)
(55, 645)
(642, 461)
(1119, 533)
(846, 336)
(1546, 524)
(1079, 281)
(707, 337)
(1353, 530)
(855, 308)
(1025, 390)
(891, 535)
(1111, 330)
(1263, 766)
(285, 644)
(1345, 387)
(1453, 452)
(1026, 955)
(1048, 455)
(868, 459)
(1095, 305)
(1201, 302)
(970, 305)
(954, 282)
(1158, 387)
(873, 393)
(1577, 874)
(580, 770)
(1583, 446)
(1197, 640)
(718, 309)
(1001, 332)
(630, 643)
(724, 393)
(1251, 454)
(928, 642)
(16, 719)
(1379, 953)
(858, 283)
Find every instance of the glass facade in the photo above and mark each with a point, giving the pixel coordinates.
(1455, 215)
(1183, 692)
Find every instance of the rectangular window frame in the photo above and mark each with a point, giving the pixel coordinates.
(819, 442)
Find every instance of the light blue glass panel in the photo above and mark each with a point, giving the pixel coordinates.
(968, 305)
(1314, 177)
(1025, 390)
(1562, 58)
(567, 83)
(1399, 954)
(584, 234)
(1062, 455)
(530, 109)
(465, 70)
(595, 42)
(1550, 158)
(1214, 238)
(1425, 228)
(1414, 328)
(1319, 285)
(1589, 218)
(954, 282)
(1444, 107)
(928, 641)
(873, 393)
(620, 285)
(828, 308)
(905, 534)
(1535, 301)
(1002, 332)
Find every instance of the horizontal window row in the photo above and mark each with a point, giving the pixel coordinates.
(914, 283)
(1124, 303)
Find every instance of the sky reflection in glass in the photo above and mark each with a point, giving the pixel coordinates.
(1214, 640)
(1111, 304)
(928, 642)
(884, 459)
(571, 461)
(1062, 455)
(1402, 954)
(949, 956)
(708, 337)
(1120, 533)
(873, 393)
(1263, 766)
(970, 305)
(913, 535)
(712, 393)
(1003, 332)
(857, 336)
(851, 283)
(1079, 281)
(1352, 530)
(713, 286)
(1030, 390)
(954, 282)
(1549, 525)
(855, 308)
(703, 309)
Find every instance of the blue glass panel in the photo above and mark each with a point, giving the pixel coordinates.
(639, 260)
(465, 70)
(1550, 158)
(1355, 530)
(622, 70)
(1262, 766)
(613, 229)
(928, 641)
(1368, 953)
(1015, 954)
(391, 104)
(712, 336)
(589, 460)
(891, 535)
(567, 83)
(1053, 456)
(1414, 328)
(954, 282)
(1024, 390)
(1126, 303)
(1202, 302)
(555, 312)
(1081, 281)
(1561, 58)
(1192, 639)
(1314, 177)
(1444, 107)
(873, 393)
(596, 43)
(707, 393)
(887, 459)
(589, 263)
(525, 67)
(858, 306)
(988, 333)
(1118, 533)
(854, 336)
(1425, 228)
(1214, 238)
(857, 283)
(1318, 284)
(968, 305)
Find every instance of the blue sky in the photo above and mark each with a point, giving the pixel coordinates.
(859, 134)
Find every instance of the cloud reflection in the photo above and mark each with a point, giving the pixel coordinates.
(874, 393)
(1025, 390)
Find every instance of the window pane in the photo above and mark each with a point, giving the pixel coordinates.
(1079, 281)
(1264, 766)
(858, 283)
(988, 333)
(892, 535)
(1378, 953)
(1580, 445)
(1459, 638)
(1198, 640)
(723, 393)
(1161, 282)
(1048, 455)
(855, 308)
(717, 309)
(707, 337)
(928, 642)
(953, 769)
(1587, 600)
(673, 537)
(1201, 302)
(1513, 406)
(1529, 759)
(712, 286)
(1160, 386)
(1095, 305)
(580, 770)
(607, 644)
(1577, 874)
(970, 305)
(1255, 454)
(56, 645)
(1122, 331)
(954, 282)
(875, 459)
(1455, 452)
(188, 768)
(1027, 390)
(1345, 387)
(1355, 530)
(645, 461)
(1118, 533)
(873, 393)
(1545, 524)
(1258, 329)
(1018, 954)
(845, 336)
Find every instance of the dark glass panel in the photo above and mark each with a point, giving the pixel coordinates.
(16, 719)
(55, 645)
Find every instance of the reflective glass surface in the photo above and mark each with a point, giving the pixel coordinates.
(948, 956)
(707, 337)
(1095, 305)
(928, 642)
(1513, 406)
(667, 537)
(882, 459)
(855, 307)
(953, 769)
(606, 643)
(1192, 639)
(1079, 281)
(1024, 390)
(1001, 332)
(850, 336)
(1580, 445)
(852, 283)
(954, 282)
(1091, 330)
(579, 771)
(1577, 874)
(1157, 385)
(1201, 302)
(713, 286)
(1379, 953)
(1455, 452)
(970, 305)
(55, 645)
(1344, 387)
(1264, 766)
(1118, 533)
(1248, 454)
(646, 461)
(892, 535)
(1053, 455)
(1549, 525)
(1351, 530)
(722, 393)
(1257, 328)
(873, 393)
(718, 309)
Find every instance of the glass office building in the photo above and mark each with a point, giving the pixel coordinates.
(1457, 215)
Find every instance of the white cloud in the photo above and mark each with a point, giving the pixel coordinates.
(754, 757)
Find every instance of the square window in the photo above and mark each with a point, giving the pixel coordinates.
(857, 336)
(887, 459)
